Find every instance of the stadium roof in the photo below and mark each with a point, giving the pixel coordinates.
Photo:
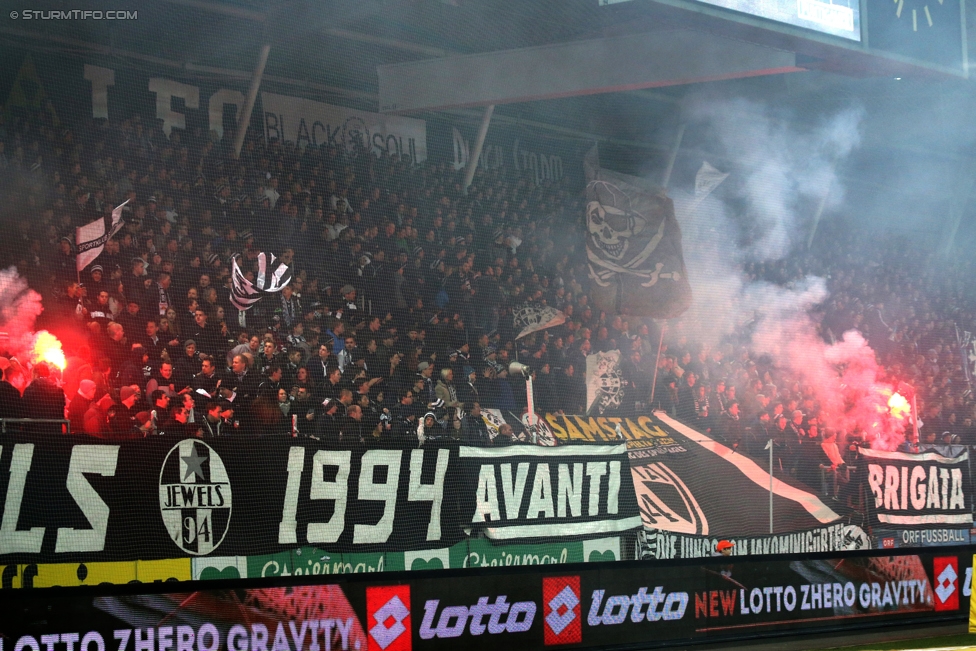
(331, 50)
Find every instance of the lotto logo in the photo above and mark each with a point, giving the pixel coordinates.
(561, 604)
(946, 582)
(388, 618)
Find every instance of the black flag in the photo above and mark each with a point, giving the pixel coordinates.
(633, 245)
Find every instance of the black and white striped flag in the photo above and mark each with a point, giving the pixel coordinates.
(272, 276)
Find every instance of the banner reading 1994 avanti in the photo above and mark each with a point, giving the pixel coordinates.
(78, 500)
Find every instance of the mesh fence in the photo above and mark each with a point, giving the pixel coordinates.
(312, 296)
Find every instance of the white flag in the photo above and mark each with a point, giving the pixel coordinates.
(604, 389)
(91, 238)
(530, 318)
(707, 179)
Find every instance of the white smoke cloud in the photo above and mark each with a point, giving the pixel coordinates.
(779, 168)
(781, 172)
(19, 308)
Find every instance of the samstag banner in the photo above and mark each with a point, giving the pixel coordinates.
(693, 491)
(911, 492)
(310, 122)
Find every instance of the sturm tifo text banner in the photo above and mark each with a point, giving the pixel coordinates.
(711, 600)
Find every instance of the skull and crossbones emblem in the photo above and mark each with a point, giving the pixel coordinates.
(610, 220)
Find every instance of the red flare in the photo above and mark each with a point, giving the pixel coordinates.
(899, 407)
(47, 348)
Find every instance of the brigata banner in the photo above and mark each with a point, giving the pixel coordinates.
(532, 608)
(71, 500)
(918, 490)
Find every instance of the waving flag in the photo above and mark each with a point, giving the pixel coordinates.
(531, 318)
(633, 246)
(272, 276)
(91, 238)
(604, 385)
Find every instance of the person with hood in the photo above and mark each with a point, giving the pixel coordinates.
(430, 429)
(446, 391)
(136, 370)
(43, 397)
(97, 418)
(11, 402)
(79, 405)
(474, 430)
(469, 390)
(327, 422)
(404, 431)
(123, 421)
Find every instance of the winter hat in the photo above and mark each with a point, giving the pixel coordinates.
(86, 389)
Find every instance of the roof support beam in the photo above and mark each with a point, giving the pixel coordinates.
(622, 63)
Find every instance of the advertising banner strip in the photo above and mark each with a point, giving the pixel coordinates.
(598, 607)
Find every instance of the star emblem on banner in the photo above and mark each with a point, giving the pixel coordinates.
(194, 464)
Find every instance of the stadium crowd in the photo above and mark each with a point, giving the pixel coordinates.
(397, 326)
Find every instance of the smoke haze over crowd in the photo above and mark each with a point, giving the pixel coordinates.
(763, 212)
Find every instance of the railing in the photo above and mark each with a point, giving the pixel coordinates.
(62, 421)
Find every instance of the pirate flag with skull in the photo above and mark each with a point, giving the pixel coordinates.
(633, 245)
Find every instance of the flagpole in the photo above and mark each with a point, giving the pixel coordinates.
(657, 361)
(770, 446)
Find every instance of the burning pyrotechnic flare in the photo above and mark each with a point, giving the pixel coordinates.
(899, 407)
(47, 348)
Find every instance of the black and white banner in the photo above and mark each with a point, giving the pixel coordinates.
(917, 490)
(272, 276)
(85, 500)
(659, 544)
(91, 238)
(307, 122)
(604, 382)
(530, 318)
(525, 492)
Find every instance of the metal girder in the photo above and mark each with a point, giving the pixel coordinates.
(622, 63)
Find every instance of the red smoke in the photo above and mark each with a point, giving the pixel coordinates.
(854, 393)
